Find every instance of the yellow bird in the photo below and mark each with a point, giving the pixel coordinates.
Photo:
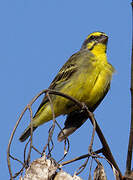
(86, 76)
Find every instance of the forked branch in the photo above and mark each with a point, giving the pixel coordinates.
(105, 150)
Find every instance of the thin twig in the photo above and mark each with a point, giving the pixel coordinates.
(82, 167)
(21, 170)
(65, 151)
(106, 150)
(16, 159)
(78, 103)
(81, 157)
(74, 159)
(25, 148)
(10, 141)
(90, 167)
(92, 118)
(36, 150)
(31, 131)
(53, 125)
(130, 144)
(66, 143)
(50, 148)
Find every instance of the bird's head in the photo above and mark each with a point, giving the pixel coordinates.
(96, 42)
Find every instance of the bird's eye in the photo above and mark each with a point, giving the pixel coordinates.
(92, 38)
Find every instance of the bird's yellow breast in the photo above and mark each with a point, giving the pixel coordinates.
(95, 84)
(89, 85)
(100, 88)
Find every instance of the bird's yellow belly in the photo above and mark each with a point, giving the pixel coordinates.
(99, 90)
(93, 89)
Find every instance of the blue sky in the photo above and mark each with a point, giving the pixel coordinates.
(36, 38)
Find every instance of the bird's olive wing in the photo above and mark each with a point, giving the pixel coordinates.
(68, 69)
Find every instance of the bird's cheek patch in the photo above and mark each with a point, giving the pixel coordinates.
(90, 45)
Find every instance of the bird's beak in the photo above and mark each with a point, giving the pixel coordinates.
(104, 39)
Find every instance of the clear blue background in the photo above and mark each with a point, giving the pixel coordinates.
(36, 38)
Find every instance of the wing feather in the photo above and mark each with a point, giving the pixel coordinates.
(68, 69)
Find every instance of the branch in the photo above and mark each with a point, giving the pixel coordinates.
(130, 145)
(105, 150)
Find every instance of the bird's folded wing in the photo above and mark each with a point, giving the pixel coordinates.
(69, 68)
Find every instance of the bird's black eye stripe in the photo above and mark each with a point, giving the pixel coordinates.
(92, 37)
(95, 37)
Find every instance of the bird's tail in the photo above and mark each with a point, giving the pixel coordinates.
(73, 121)
(26, 133)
